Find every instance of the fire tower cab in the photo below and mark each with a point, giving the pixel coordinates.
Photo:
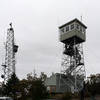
(73, 30)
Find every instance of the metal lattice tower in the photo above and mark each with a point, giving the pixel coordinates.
(10, 51)
(72, 35)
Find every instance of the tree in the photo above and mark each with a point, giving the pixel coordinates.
(93, 85)
(37, 89)
(43, 76)
(32, 87)
(11, 86)
(23, 89)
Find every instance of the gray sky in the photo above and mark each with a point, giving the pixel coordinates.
(36, 31)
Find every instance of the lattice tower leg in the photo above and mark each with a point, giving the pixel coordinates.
(73, 65)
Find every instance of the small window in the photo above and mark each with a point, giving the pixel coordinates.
(80, 28)
(83, 30)
(72, 26)
(62, 29)
(77, 26)
(67, 28)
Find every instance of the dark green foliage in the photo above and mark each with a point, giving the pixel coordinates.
(22, 87)
(33, 88)
(93, 85)
(10, 88)
(66, 96)
(98, 88)
(43, 76)
(37, 90)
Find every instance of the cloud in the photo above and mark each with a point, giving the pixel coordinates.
(36, 32)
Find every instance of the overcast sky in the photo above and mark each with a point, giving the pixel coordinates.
(36, 24)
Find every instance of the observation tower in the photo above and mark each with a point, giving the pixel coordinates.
(73, 35)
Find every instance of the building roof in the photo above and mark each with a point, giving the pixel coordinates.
(74, 20)
(51, 80)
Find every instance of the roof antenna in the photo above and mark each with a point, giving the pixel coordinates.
(81, 18)
(10, 25)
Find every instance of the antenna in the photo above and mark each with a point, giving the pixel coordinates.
(81, 18)
(10, 25)
(10, 52)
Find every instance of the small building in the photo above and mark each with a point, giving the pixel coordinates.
(56, 83)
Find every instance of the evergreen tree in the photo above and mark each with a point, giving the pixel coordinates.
(11, 88)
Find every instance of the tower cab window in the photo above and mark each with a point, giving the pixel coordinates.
(77, 26)
(62, 30)
(72, 27)
(81, 28)
(67, 28)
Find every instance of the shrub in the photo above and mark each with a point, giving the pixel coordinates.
(66, 96)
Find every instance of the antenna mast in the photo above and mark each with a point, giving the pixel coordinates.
(10, 50)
